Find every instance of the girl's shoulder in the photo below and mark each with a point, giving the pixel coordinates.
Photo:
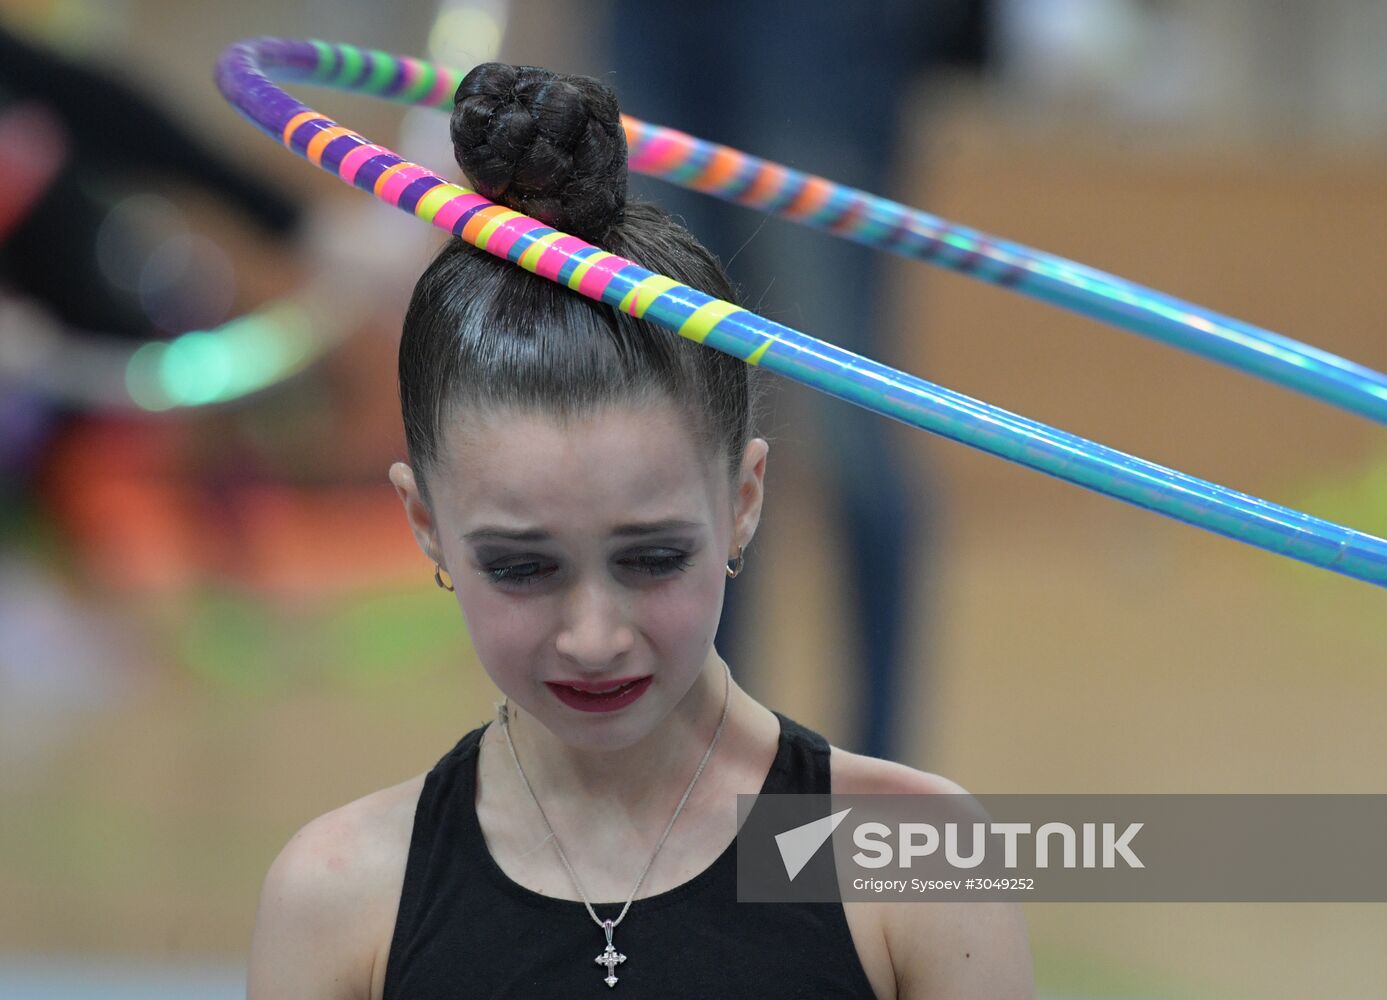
(333, 891)
(857, 774)
(362, 842)
(931, 950)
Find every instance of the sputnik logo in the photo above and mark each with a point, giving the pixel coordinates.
(800, 844)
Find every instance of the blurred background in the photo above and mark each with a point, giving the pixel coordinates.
(214, 625)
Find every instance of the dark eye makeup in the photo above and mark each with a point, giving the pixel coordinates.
(527, 571)
(659, 562)
(522, 574)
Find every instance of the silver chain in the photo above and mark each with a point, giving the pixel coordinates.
(504, 715)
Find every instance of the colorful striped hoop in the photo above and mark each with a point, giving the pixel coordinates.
(242, 76)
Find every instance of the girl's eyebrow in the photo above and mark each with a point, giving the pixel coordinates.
(654, 527)
(634, 529)
(509, 534)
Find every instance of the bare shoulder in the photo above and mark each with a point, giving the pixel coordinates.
(328, 904)
(943, 949)
(856, 774)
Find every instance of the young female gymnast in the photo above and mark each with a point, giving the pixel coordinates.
(586, 484)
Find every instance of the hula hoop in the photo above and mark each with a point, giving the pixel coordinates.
(604, 277)
(887, 225)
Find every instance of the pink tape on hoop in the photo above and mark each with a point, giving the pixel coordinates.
(355, 158)
(410, 69)
(442, 88)
(396, 183)
(508, 232)
(661, 152)
(448, 215)
(555, 255)
(599, 276)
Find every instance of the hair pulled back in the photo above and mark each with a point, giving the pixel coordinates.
(481, 332)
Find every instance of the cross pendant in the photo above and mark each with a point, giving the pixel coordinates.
(610, 957)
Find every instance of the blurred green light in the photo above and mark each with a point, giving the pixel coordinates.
(195, 368)
(142, 377)
(214, 366)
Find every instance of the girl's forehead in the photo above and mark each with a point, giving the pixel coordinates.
(622, 462)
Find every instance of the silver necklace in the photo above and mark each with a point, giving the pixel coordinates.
(610, 957)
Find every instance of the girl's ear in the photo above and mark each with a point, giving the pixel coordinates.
(417, 513)
(746, 505)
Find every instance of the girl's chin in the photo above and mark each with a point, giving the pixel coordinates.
(611, 736)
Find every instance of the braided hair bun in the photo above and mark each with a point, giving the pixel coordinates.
(545, 144)
(482, 334)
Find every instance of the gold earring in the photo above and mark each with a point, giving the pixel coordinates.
(734, 566)
(442, 577)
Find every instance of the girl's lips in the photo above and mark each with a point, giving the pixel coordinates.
(615, 697)
(598, 687)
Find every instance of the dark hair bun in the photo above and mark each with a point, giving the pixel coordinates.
(545, 144)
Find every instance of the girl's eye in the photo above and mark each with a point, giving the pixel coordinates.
(522, 574)
(659, 562)
(529, 572)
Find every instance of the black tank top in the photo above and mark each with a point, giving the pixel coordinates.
(465, 929)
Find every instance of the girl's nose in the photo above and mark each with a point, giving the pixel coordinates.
(596, 630)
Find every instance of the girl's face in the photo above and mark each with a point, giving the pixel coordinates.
(588, 552)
